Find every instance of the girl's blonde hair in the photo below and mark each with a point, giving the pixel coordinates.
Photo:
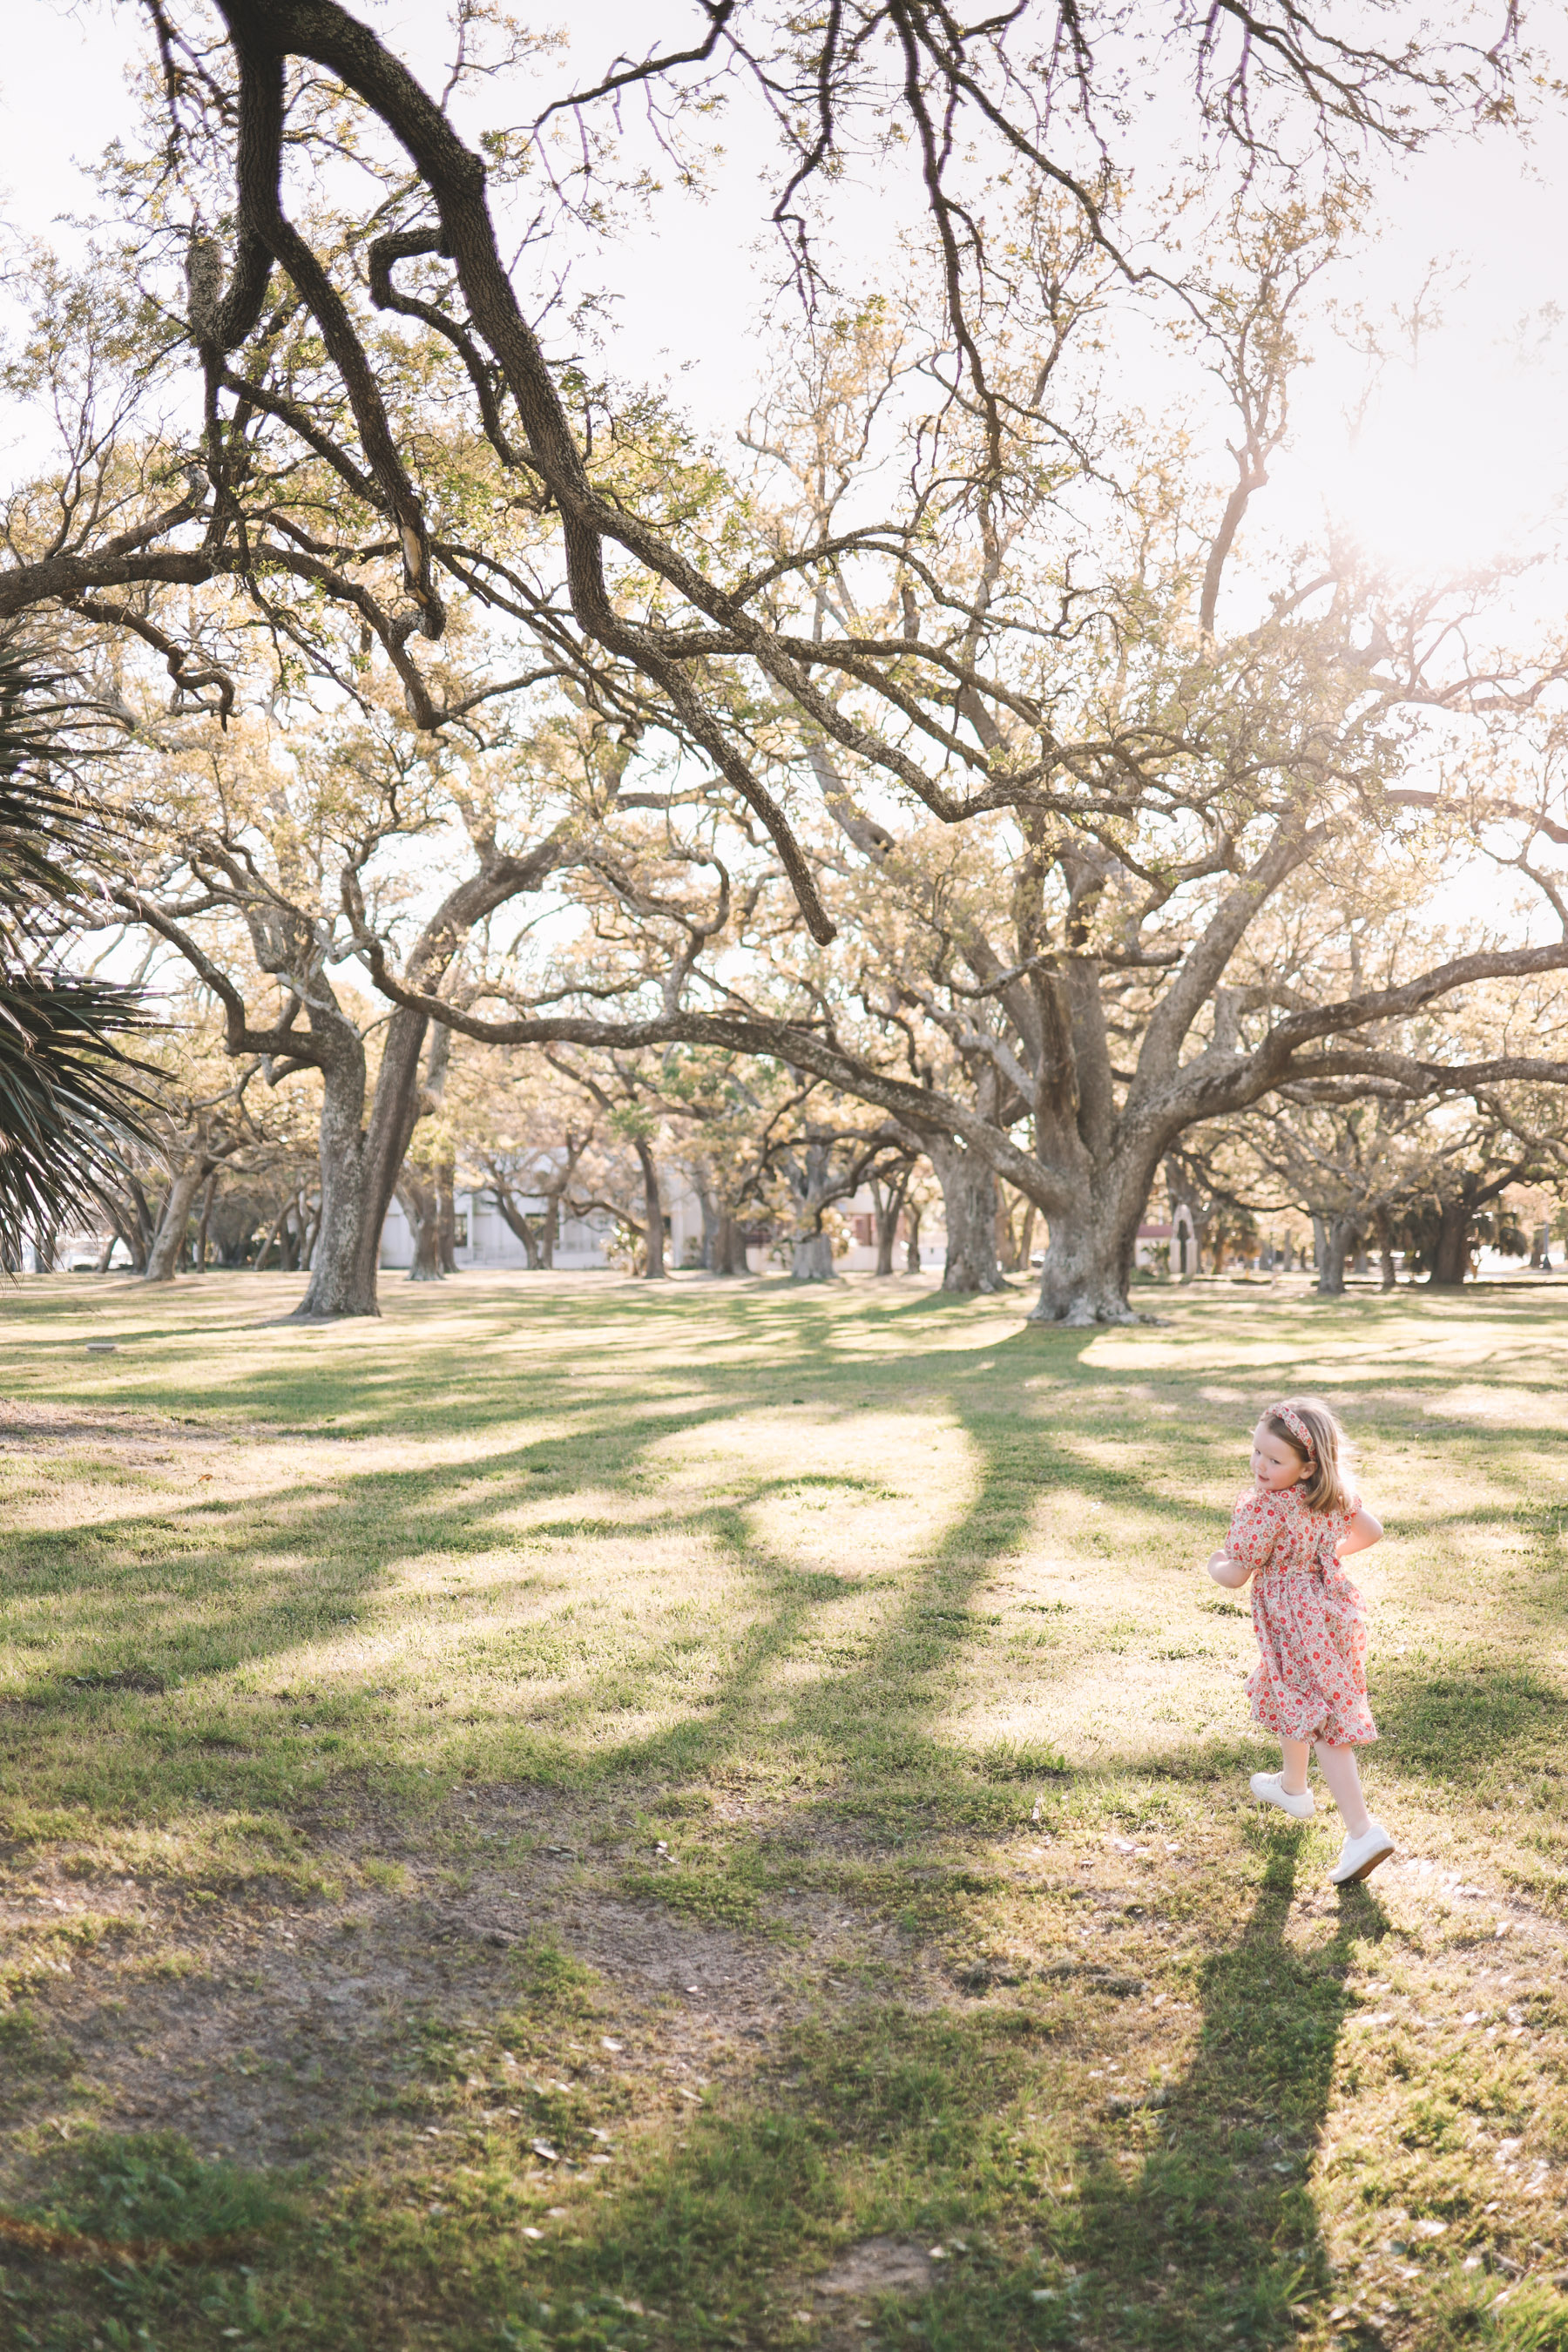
(1328, 1458)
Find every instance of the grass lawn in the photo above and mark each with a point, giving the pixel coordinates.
(588, 1813)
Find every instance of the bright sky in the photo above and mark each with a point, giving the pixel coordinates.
(1462, 449)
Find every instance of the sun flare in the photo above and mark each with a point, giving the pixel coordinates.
(1454, 468)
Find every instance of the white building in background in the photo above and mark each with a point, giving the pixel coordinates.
(484, 1239)
(859, 1213)
(1171, 1248)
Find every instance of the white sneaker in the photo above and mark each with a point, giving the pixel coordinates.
(1270, 1790)
(1359, 1857)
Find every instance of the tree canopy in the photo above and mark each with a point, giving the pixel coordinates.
(959, 740)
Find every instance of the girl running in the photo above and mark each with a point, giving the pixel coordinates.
(1289, 1533)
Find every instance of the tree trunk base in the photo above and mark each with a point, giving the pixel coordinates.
(325, 1303)
(1087, 1315)
(1082, 1288)
(974, 1282)
(812, 1259)
(298, 1322)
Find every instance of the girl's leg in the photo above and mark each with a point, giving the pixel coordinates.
(1339, 1769)
(1293, 1755)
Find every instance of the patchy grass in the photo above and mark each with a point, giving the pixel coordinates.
(591, 1814)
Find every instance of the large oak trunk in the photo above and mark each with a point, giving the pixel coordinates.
(1338, 1234)
(422, 1207)
(729, 1247)
(653, 1213)
(811, 1258)
(1088, 1267)
(360, 1164)
(812, 1189)
(969, 1204)
(341, 1282)
(169, 1240)
(1091, 1245)
(1389, 1276)
(1451, 1259)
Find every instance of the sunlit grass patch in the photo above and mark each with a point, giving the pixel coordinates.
(604, 1800)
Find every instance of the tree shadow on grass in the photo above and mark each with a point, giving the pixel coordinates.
(1197, 2224)
(864, 1719)
(1199, 2190)
(233, 1594)
(1193, 2226)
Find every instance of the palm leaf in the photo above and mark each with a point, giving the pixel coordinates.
(68, 1101)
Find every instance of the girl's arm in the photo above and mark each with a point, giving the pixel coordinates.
(1362, 1531)
(1226, 1570)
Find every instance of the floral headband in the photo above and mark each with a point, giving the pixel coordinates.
(1297, 1427)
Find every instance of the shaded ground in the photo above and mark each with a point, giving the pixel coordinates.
(589, 1814)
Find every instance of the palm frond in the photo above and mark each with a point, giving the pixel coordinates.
(67, 1097)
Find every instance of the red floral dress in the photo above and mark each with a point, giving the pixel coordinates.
(1310, 1682)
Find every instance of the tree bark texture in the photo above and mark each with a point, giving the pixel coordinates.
(1385, 1251)
(1451, 1255)
(348, 1239)
(811, 1258)
(969, 1204)
(728, 1247)
(1008, 1255)
(712, 1210)
(653, 1213)
(814, 1185)
(163, 1258)
(422, 1207)
(207, 1196)
(889, 1194)
(1089, 1264)
(446, 1213)
(519, 1221)
(1339, 1235)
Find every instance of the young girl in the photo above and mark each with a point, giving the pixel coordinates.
(1310, 1684)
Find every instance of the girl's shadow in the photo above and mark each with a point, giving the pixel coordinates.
(1212, 2234)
